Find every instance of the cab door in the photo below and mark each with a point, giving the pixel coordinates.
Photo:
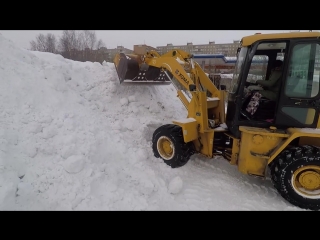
(298, 104)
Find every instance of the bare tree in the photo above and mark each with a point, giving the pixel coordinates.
(93, 39)
(65, 43)
(89, 42)
(44, 43)
(98, 53)
(86, 38)
(100, 44)
(51, 43)
(33, 45)
(79, 45)
(41, 43)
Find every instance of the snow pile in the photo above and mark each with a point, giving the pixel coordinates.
(73, 138)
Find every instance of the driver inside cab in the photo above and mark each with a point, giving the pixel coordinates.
(266, 88)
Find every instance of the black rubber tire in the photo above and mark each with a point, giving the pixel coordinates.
(274, 167)
(183, 151)
(283, 167)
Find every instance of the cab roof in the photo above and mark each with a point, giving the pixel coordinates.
(249, 40)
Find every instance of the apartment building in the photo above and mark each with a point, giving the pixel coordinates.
(112, 52)
(142, 48)
(227, 49)
(137, 49)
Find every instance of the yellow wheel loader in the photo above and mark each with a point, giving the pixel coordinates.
(282, 138)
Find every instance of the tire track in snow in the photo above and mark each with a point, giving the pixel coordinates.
(214, 183)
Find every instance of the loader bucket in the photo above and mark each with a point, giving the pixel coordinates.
(130, 69)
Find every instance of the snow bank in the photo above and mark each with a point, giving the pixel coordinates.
(69, 132)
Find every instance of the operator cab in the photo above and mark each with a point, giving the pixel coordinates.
(294, 102)
(267, 58)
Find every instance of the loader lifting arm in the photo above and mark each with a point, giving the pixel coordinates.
(179, 63)
(177, 67)
(173, 61)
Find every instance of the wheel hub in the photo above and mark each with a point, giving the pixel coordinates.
(165, 147)
(306, 181)
(310, 180)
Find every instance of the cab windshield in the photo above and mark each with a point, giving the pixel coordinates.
(237, 70)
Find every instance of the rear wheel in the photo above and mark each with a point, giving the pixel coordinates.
(168, 144)
(295, 173)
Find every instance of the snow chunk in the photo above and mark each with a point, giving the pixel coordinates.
(132, 98)
(180, 61)
(49, 132)
(67, 151)
(131, 124)
(213, 99)
(34, 127)
(220, 129)
(175, 185)
(185, 120)
(31, 151)
(310, 130)
(223, 125)
(74, 164)
(124, 101)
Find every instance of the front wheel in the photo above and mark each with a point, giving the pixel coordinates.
(168, 144)
(295, 173)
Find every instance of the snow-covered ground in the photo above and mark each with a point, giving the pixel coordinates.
(73, 138)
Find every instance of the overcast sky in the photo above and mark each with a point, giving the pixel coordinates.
(155, 38)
